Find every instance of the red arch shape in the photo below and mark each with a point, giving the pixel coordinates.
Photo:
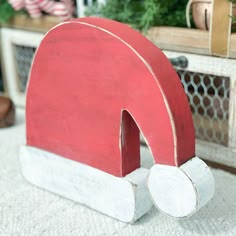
(85, 73)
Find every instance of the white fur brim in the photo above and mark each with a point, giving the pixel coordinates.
(125, 199)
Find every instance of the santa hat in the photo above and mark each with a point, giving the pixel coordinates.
(93, 85)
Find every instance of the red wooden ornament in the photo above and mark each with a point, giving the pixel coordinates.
(93, 85)
(100, 79)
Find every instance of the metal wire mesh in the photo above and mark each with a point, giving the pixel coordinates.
(23, 57)
(208, 96)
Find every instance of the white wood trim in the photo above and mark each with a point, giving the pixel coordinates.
(216, 153)
(19, 37)
(181, 191)
(125, 199)
(176, 191)
(207, 64)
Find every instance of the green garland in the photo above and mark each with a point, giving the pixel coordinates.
(142, 14)
(6, 11)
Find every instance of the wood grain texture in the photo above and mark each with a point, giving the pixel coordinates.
(186, 40)
(169, 38)
(25, 22)
(220, 29)
(91, 70)
(125, 199)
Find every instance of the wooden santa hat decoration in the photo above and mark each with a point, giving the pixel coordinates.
(94, 84)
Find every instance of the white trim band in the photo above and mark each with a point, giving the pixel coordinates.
(125, 199)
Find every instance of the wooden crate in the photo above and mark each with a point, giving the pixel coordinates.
(186, 40)
(210, 84)
(18, 48)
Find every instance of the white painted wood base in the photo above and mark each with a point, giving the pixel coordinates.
(181, 191)
(125, 199)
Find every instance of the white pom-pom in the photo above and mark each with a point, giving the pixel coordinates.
(181, 191)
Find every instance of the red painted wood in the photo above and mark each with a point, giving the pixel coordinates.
(85, 73)
(129, 144)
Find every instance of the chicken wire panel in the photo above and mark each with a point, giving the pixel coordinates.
(23, 57)
(208, 96)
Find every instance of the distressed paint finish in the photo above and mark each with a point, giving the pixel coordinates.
(104, 82)
(125, 199)
(91, 70)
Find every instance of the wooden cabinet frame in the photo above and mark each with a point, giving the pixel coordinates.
(9, 38)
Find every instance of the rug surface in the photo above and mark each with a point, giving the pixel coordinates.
(26, 210)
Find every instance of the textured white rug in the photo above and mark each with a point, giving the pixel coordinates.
(29, 211)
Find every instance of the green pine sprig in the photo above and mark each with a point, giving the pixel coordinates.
(6, 11)
(142, 14)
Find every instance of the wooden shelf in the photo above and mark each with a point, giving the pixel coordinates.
(42, 24)
(185, 40)
(167, 38)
